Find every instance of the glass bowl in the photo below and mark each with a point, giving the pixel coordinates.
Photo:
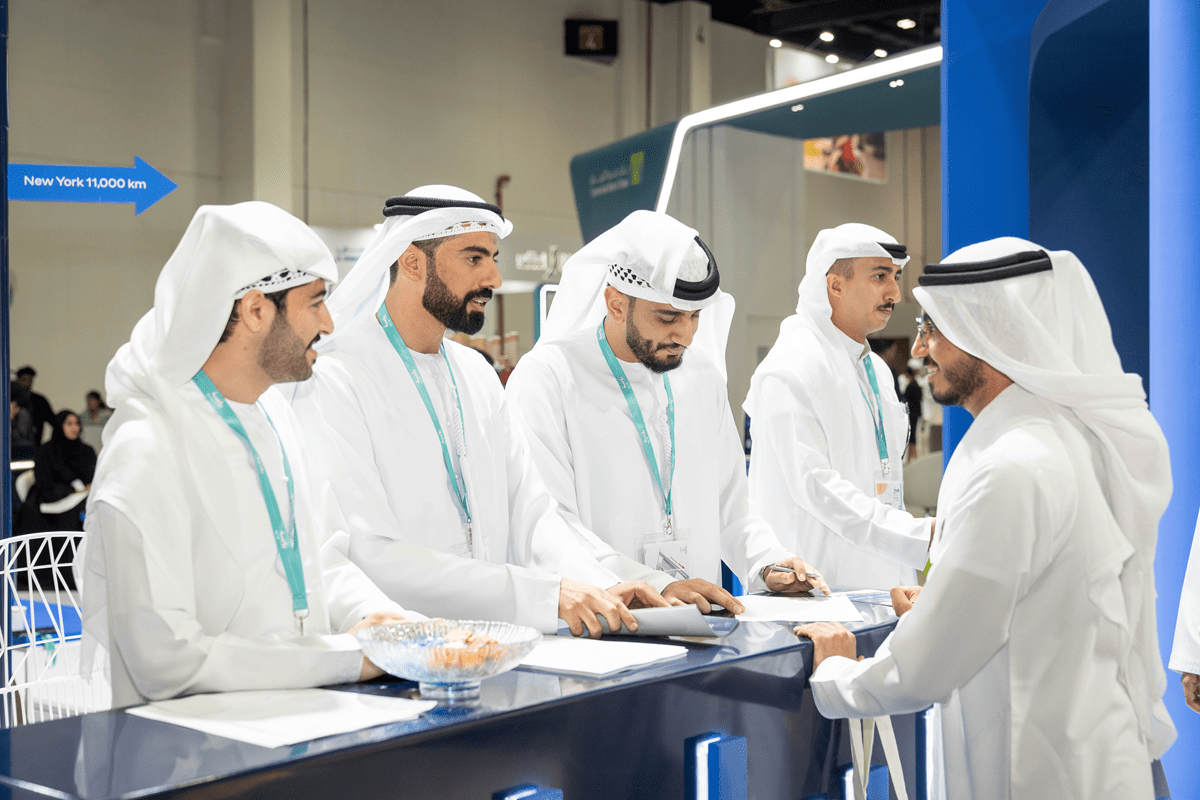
(448, 657)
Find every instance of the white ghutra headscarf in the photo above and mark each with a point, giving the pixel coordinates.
(810, 332)
(427, 212)
(1035, 316)
(651, 256)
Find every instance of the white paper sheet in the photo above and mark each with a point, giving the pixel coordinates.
(779, 608)
(282, 717)
(669, 621)
(597, 658)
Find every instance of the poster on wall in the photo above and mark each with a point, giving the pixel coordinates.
(855, 155)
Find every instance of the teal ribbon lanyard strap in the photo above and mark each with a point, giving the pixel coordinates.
(635, 411)
(876, 415)
(286, 541)
(397, 342)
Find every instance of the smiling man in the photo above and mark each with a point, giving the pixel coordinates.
(446, 512)
(829, 432)
(1035, 633)
(203, 569)
(627, 411)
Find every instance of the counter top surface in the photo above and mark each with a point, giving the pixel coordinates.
(114, 754)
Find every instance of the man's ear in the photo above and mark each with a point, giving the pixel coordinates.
(616, 303)
(835, 284)
(412, 264)
(256, 312)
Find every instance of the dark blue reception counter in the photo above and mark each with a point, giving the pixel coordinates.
(622, 737)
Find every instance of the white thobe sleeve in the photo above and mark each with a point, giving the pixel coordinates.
(535, 402)
(748, 544)
(964, 613)
(1185, 653)
(350, 595)
(417, 577)
(155, 631)
(542, 536)
(791, 439)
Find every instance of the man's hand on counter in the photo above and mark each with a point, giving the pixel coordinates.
(702, 594)
(580, 604)
(829, 639)
(903, 598)
(369, 670)
(1191, 691)
(793, 575)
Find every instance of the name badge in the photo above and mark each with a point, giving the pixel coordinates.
(888, 491)
(671, 555)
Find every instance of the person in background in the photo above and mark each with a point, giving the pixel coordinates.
(910, 393)
(23, 439)
(63, 469)
(39, 406)
(1185, 652)
(97, 412)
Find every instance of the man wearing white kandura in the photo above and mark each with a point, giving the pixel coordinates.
(1035, 631)
(1185, 654)
(625, 403)
(449, 515)
(201, 569)
(829, 432)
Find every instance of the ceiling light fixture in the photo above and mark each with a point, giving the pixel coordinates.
(906, 24)
(842, 79)
(832, 58)
(880, 52)
(775, 43)
(826, 36)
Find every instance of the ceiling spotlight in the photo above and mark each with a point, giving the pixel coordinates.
(826, 36)
(831, 58)
(896, 83)
(880, 52)
(906, 24)
(798, 107)
(775, 43)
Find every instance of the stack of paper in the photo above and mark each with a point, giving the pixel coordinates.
(780, 608)
(282, 717)
(597, 658)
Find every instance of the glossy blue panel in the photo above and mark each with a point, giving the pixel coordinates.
(1174, 298)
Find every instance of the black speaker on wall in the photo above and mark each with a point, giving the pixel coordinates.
(590, 37)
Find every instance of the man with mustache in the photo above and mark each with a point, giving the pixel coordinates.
(1035, 632)
(446, 512)
(202, 567)
(627, 411)
(826, 468)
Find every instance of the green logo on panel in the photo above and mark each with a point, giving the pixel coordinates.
(635, 167)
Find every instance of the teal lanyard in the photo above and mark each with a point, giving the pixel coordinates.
(877, 414)
(389, 328)
(285, 538)
(635, 411)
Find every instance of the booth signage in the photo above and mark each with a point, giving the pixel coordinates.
(140, 184)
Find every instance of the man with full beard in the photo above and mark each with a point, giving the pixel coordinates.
(1035, 631)
(829, 432)
(628, 416)
(446, 512)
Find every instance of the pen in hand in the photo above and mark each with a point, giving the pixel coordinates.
(778, 568)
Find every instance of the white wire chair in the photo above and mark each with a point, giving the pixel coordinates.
(40, 646)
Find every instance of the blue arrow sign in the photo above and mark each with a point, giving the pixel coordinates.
(140, 184)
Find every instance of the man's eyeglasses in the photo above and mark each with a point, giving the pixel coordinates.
(925, 326)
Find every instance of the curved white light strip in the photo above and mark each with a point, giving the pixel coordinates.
(896, 65)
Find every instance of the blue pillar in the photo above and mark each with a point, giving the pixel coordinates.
(1174, 300)
(985, 122)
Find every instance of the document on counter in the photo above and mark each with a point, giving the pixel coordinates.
(799, 608)
(282, 717)
(683, 620)
(597, 658)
